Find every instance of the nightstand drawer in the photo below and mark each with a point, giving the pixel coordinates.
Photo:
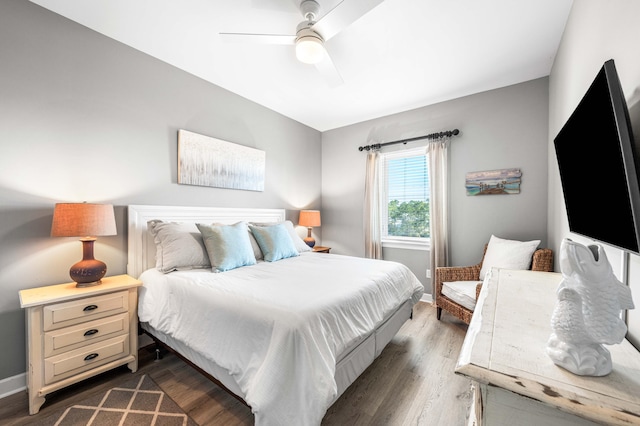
(83, 359)
(69, 338)
(82, 310)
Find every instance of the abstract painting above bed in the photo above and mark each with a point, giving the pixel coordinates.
(287, 336)
(207, 161)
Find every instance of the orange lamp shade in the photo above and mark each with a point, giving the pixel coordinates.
(83, 220)
(309, 218)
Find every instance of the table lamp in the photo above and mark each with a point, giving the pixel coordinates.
(88, 221)
(309, 218)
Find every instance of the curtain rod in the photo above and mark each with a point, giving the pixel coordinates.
(417, 138)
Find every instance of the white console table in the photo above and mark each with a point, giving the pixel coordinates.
(515, 381)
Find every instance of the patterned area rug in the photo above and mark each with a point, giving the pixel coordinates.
(136, 402)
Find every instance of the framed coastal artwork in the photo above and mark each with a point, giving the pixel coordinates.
(503, 181)
(207, 161)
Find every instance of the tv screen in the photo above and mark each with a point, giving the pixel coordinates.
(598, 163)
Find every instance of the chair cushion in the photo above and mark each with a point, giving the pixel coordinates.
(461, 292)
(508, 254)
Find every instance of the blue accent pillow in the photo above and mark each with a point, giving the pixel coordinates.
(274, 241)
(228, 246)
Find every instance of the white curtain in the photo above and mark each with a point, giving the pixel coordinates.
(439, 205)
(372, 207)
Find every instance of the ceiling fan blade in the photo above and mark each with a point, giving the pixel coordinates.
(329, 72)
(259, 38)
(343, 15)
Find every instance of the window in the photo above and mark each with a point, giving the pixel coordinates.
(405, 206)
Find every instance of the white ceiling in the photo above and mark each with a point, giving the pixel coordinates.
(402, 55)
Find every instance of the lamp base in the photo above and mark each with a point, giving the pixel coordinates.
(91, 284)
(309, 240)
(89, 271)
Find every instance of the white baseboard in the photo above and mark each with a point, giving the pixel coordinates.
(427, 297)
(12, 385)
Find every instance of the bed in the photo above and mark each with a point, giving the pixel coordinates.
(287, 336)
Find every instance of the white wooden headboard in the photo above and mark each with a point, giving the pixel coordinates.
(142, 251)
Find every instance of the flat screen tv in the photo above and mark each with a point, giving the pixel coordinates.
(598, 161)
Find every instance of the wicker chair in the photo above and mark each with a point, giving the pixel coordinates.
(542, 261)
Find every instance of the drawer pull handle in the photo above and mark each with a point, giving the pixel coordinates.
(90, 332)
(90, 357)
(90, 308)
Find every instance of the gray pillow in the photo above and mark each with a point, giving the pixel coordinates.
(257, 253)
(178, 246)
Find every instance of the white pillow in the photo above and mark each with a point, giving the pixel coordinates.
(508, 254)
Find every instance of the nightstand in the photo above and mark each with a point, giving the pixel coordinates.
(75, 333)
(321, 249)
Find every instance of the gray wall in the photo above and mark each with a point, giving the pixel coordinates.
(502, 128)
(595, 32)
(85, 118)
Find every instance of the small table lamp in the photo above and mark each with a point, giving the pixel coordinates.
(309, 218)
(87, 221)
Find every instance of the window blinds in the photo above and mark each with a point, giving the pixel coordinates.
(406, 179)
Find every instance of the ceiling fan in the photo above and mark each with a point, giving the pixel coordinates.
(313, 32)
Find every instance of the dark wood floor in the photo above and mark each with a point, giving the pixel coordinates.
(411, 383)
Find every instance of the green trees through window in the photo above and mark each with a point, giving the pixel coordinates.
(408, 219)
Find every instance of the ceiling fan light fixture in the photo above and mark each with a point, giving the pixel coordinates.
(309, 49)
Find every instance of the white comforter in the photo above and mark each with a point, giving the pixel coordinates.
(278, 327)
